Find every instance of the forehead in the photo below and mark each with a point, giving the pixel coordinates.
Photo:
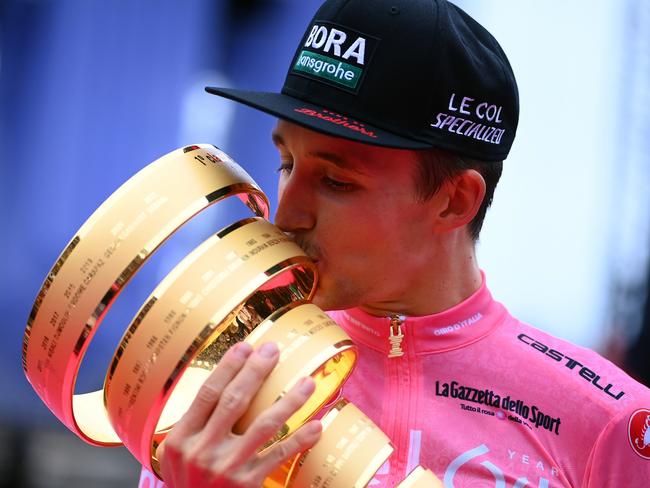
(364, 158)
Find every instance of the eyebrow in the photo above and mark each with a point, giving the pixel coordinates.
(333, 158)
(277, 139)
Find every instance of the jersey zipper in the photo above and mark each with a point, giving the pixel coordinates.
(396, 336)
(400, 379)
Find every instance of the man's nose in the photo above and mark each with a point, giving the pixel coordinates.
(296, 204)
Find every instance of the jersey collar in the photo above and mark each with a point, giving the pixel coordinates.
(463, 324)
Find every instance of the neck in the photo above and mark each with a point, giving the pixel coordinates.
(452, 276)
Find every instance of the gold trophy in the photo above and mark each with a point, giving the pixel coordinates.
(248, 281)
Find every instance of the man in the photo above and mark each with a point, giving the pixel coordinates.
(394, 119)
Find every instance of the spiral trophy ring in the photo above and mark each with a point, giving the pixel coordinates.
(248, 281)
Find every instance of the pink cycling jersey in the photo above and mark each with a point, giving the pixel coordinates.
(484, 400)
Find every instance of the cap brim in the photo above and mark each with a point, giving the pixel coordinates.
(318, 118)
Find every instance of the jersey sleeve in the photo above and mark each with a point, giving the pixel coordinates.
(621, 455)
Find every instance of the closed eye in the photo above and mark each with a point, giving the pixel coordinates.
(285, 167)
(337, 185)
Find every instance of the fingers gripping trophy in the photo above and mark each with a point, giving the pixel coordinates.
(248, 282)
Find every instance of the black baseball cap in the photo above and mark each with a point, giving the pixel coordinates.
(409, 74)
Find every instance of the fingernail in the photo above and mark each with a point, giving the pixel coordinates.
(314, 427)
(268, 350)
(306, 386)
(242, 349)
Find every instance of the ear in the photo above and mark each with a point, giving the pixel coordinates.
(464, 194)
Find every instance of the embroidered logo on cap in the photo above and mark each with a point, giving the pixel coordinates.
(337, 119)
(639, 432)
(335, 55)
(471, 118)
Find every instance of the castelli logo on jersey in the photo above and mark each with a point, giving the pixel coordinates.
(639, 432)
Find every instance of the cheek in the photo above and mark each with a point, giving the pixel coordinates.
(359, 238)
(363, 229)
(395, 232)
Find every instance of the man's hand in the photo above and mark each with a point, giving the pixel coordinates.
(201, 450)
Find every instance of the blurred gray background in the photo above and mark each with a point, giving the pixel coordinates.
(91, 91)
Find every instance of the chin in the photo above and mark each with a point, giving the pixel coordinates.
(332, 301)
(323, 300)
(320, 300)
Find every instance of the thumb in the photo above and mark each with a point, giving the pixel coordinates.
(159, 452)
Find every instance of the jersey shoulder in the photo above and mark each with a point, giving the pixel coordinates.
(582, 373)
